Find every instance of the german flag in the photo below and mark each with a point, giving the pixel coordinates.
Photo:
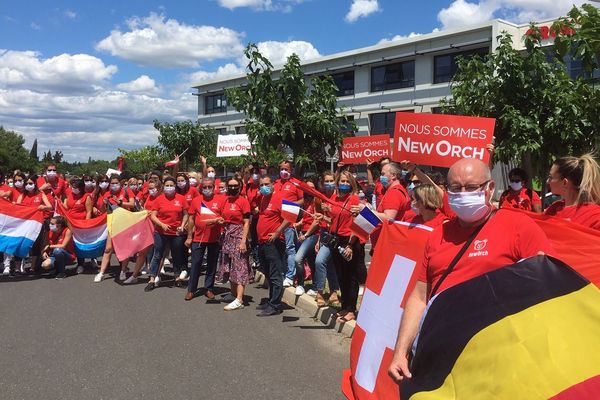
(527, 331)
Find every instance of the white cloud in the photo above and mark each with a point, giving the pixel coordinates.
(361, 9)
(157, 41)
(199, 77)
(461, 13)
(142, 85)
(399, 37)
(260, 5)
(65, 72)
(278, 52)
(35, 26)
(70, 14)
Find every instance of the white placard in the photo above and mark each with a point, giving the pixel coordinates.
(233, 145)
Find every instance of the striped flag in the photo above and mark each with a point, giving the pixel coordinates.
(19, 228)
(89, 235)
(206, 213)
(131, 232)
(290, 211)
(365, 222)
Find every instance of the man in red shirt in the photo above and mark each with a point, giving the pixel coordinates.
(518, 196)
(204, 233)
(504, 238)
(271, 247)
(52, 183)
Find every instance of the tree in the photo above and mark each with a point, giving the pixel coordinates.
(33, 153)
(175, 138)
(57, 157)
(47, 158)
(144, 159)
(13, 154)
(541, 113)
(285, 112)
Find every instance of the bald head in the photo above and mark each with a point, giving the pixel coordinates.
(468, 171)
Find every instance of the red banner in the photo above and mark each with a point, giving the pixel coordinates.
(356, 150)
(441, 140)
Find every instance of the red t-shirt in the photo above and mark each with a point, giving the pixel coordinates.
(520, 199)
(36, 200)
(379, 191)
(252, 194)
(58, 186)
(10, 190)
(55, 238)
(269, 211)
(341, 219)
(149, 203)
(505, 239)
(100, 201)
(170, 211)
(191, 194)
(120, 195)
(206, 233)
(217, 183)
(307, 219)
(288, 190)
(586, 214)
(413, 218)
(76, 207)
(395, 198)
(234, 209)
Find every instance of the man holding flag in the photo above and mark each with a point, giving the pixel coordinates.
(271, 246)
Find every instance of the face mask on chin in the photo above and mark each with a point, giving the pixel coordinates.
(469, 206)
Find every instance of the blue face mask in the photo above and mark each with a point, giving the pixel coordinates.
(265, 190)
(329, 186)
(411, 187)
(385, 181)
(404, 173)
(344, 188)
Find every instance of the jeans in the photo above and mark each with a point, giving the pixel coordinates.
(271, 257)
(324, 269)
(178, 250)
(59, 259)
(290, 250)
(352, 273)
(306, 251)
(212, 255)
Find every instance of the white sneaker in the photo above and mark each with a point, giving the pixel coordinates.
(130, 280)
(183, 275)
(98, 278)
(162, 270)
(234, 305)
(287, 282)
(6, 271)
(311, 293)
(80, 269)
(145, 271)
(167, 262)
(299, 291)
(122, 276)
(156, 280)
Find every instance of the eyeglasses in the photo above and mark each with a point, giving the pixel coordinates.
(467, 188)
(51, 170)
(207, 187)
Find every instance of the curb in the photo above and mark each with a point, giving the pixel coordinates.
(307, 304)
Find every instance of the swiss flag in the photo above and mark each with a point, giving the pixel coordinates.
(390, 281)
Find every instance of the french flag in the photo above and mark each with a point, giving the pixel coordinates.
(206, 213)
(365, 223)
(290, 211)
(19, 228)
(89, 235)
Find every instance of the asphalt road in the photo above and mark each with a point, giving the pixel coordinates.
(73, 339)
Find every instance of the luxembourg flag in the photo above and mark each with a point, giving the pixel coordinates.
(89, 235)
(19, 228)
(290, 211)
(365, 222)
(206, 213)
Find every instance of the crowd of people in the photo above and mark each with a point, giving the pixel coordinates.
(231, 226)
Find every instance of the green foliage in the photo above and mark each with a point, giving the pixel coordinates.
(57, 157)
(47, 157)
(286, 112)
(34, 151)
(91, 167)
(144, 159)
(12, 153)
(174, 138)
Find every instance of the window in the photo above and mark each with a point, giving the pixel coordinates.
(348, 122)
(445, 66)
(383, 123)
(344, 82)
(393, 76)
(437, 110)
(240, 130)
(221, 131)
(215, 103)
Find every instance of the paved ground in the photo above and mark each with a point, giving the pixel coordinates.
(74, 339)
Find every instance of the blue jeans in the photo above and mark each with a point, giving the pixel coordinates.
(271, 259)
(212, 255)
(290, 250)
(59, 259)
(178, 250)
(324, 268)
(306, 251)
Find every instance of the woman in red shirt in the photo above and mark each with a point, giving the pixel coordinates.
(308, 236)
(349, 253)
(103, 182)
(517, 195)
(234, 264)
(577, 181)
(169, 214)
(60, 250)
(78, 204)
(190, 193)
(426, 207)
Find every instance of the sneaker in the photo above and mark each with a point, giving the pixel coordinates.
(299, 291)
(167, 261)
(156, 280)
(145, 271)
(287, 282)
(234, 305)
(130, 280)
(80, 269)
(162, 269)
(6, 271)
(98, 277)
(122, 276)
(60, 276)
(311, 293)
(183, 275)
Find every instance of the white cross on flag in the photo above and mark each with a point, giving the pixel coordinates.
(389, 283)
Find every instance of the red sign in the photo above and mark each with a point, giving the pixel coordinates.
(547, 33)
(441, 140)
(356, 150)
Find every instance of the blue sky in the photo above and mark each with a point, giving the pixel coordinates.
(88, 77)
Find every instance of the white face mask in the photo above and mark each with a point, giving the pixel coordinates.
(103, 185)
(153, 192)
(19, 184)
(181, 185)
(516, 186)
(469, 206)
(75, 191)
(29, 187)
(53, 228)
(222, 190)
(11, 184)
(210, 174)
(89, 184)
(284, 174)
(169, 189)
(193, 182)
(115, 187)
(50, 174)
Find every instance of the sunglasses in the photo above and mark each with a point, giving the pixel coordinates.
(207, 187)
(51, 170)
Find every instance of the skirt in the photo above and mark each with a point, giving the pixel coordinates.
(233, 264)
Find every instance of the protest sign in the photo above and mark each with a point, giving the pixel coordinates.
(356, 150)
(441, 140)
(233, 145)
